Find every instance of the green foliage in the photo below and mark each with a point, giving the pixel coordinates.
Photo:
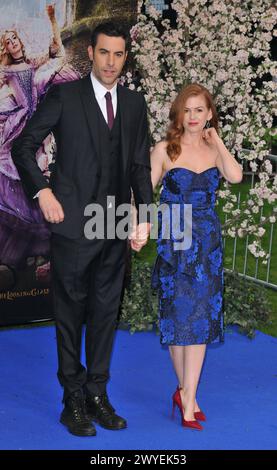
(139, 309)
(245, 302)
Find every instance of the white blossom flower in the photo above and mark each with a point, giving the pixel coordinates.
(231, 233)
(213, 44)
(240, 232)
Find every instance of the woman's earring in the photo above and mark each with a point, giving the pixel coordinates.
(207, 125)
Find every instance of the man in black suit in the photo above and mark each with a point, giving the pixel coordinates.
(101, 133)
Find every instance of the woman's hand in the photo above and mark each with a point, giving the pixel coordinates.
(139, 236)
(4, 60)
(54, 48)
(211, 136)
(50, 9)
(229, 168)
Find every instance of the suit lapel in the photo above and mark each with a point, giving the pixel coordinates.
(90, 106)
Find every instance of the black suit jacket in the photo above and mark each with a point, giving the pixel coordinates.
(70, 112)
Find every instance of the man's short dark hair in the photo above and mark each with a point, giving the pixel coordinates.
(110, 29)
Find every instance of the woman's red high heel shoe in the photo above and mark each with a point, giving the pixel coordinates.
(192, 425)
(199, 415)
(185, 423)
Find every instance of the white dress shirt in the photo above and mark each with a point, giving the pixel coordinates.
(100, 91)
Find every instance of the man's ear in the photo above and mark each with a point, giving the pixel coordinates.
(90, 53)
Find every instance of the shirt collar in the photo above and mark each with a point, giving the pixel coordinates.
(99, 89)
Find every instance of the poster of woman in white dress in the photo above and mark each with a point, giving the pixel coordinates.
(41, 44)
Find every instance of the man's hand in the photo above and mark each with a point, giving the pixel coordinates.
(139, 236)
(50, 206)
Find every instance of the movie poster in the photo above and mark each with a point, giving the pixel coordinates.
(41, 44)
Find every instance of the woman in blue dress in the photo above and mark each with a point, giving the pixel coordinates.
(188, 272)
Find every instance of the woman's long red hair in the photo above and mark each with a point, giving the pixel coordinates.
(176, 116)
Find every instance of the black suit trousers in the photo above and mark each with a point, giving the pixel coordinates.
(87, 279)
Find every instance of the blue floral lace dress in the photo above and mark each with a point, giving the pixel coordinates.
(190, 281)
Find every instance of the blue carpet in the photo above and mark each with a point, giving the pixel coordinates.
(238, 392)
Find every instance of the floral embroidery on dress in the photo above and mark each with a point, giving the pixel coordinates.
(190, 281)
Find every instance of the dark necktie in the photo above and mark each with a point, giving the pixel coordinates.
(109, 106)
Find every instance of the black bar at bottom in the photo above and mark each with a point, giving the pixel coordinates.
(126, 458)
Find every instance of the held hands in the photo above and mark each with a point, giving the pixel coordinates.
(50, 206)
(139, 236)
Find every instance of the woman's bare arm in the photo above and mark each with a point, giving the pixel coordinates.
(158, 155)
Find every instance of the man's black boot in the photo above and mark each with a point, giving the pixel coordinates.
(101, 411)
(75, 418)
